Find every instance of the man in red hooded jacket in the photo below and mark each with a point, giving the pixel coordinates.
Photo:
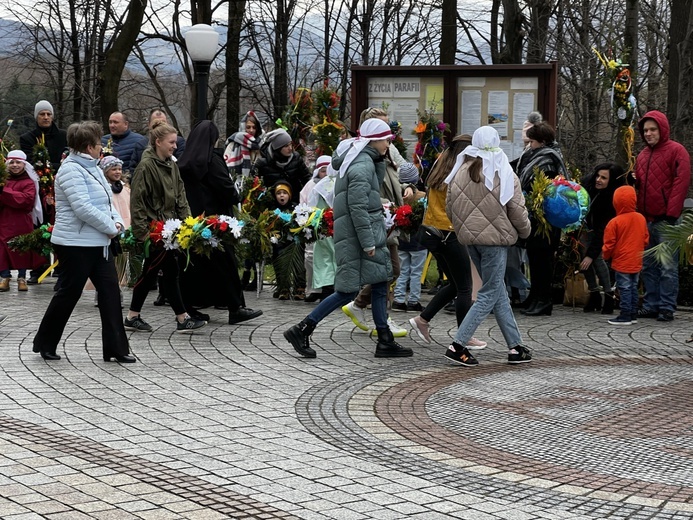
(662, 176)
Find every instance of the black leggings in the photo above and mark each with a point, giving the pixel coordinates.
(453, 259)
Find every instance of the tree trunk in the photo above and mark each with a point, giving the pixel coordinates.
(280, 51)
(680, 110)
(448, 33)
(116, 57)
(509, 47)
(540, 13)
(233, 77)
(630, 41)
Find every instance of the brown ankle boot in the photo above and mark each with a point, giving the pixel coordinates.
(21, 284)
(4, 284)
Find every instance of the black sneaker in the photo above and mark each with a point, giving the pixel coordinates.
(665, 316)
(397, 306)
(138, 324)
(620, 320)
(189, 324)
(644, 313)
(451, 308)
(243, 314)
(519, 354)
(460, 355)
(32, 280)
(414, 307)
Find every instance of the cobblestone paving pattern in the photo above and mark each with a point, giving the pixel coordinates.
(231, 423)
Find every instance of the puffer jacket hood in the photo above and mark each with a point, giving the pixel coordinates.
(624, 200)
(662, 123)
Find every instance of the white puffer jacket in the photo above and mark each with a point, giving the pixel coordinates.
(478, 216)
(84, 212)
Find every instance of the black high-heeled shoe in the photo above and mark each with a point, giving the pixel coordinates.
(541, 309)
(50, 357)
(119, 359)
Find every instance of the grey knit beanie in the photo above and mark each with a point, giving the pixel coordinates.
(43, 105)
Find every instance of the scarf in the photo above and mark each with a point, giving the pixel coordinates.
(485, 144)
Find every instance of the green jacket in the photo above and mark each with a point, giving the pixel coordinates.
(359, 224)
(157, 193)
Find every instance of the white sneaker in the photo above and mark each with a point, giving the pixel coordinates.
(475, 344)
(396, 330)
(357, 315)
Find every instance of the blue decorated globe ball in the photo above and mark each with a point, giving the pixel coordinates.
(565, 206)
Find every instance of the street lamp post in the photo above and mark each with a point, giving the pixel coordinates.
(201, 41)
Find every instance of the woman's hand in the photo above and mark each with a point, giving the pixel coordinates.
(586, 263)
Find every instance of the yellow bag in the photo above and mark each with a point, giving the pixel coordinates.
(576, 293)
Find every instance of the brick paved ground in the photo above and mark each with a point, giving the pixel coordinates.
(231, 423)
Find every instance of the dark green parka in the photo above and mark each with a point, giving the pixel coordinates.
(359, 224)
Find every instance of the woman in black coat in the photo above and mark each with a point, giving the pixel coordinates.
(600, 186)
(211, 190)
(543, 154)
(281, 163)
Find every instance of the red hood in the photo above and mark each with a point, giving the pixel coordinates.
(624, 200)
(662, 123)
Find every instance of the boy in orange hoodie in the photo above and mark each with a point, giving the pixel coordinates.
(625, 239)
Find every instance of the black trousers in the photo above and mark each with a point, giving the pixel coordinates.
(167, 261)
(541, 254)
(78, 264)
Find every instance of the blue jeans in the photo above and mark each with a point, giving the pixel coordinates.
(411, 265)
(490, 261)
(661, 280)
(5, 273)
(337, 300)
(628, 289)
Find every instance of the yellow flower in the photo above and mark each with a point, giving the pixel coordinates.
(191, 221)
(612, 64)
(184, 242)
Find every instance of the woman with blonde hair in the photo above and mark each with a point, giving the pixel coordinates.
(158, 193)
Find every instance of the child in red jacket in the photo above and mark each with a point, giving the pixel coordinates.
(625, 239)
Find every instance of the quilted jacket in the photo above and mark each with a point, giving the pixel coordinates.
(359, 223)
(84, 212)
(662, 173)
(478, 216)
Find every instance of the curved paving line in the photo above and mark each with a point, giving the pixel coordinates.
(190, 488)
(363, 414)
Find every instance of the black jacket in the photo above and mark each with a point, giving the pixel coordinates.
(295, 172)
(600, 212)
(212, 192)
(56, 143)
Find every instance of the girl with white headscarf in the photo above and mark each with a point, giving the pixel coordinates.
(487, 209)
(359, 236)
(20, 209)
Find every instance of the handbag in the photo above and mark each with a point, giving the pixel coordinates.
(430, 237)
(576, 293)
